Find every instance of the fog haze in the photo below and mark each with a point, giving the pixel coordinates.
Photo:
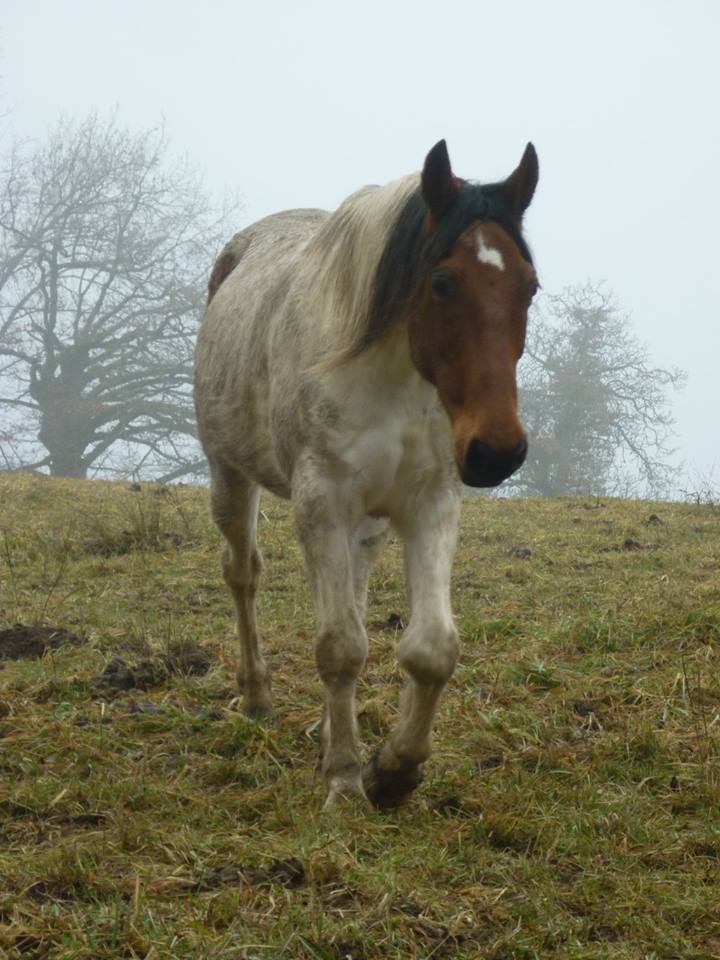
(299, 104)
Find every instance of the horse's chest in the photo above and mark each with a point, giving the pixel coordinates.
(389, 460)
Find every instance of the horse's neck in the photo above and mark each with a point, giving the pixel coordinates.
(337, 268)
(384, 376)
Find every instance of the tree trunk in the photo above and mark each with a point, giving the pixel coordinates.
(67, 463)
(65, 431)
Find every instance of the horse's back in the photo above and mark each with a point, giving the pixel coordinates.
(289, 229)
(248, 287)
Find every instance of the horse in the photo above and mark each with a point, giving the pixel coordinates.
(362, 363)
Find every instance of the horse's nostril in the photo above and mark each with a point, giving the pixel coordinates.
(479, 456)
(487, 467)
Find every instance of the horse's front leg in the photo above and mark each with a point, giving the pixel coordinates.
(341, 642)
(427, 651)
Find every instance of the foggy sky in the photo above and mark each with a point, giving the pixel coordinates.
(299, 103)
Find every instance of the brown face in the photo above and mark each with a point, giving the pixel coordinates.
(466, 339)
(468, 330)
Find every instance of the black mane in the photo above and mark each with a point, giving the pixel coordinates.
(410, 254)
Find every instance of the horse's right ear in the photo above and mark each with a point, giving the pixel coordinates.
(520, 185)
(438, 184)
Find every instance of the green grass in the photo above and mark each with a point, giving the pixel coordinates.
(571, 808)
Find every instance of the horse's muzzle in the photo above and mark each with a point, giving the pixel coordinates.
(487, 467)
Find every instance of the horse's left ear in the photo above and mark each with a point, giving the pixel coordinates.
(438, 184)
(520, 185)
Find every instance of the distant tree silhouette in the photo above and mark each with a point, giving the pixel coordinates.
(104, 253)
(596, 409)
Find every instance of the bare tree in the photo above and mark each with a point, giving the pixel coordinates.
(596, 409)
(104, 253)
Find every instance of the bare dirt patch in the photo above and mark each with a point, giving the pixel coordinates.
(25, 642)
(185, 659)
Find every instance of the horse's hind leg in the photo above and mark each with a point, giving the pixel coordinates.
(234, 501)
(427, 652)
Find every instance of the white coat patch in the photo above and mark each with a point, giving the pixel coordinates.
(486, 254)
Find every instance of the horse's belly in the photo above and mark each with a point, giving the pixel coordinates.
(234, 427)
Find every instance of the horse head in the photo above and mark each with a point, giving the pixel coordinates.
(467, 330)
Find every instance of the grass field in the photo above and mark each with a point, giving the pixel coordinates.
(571, 808)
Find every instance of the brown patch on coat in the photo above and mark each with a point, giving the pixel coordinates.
(231, 255)
(224, 265)
(468, 343)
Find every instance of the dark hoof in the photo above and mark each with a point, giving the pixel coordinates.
(259, 711)
(389, 788)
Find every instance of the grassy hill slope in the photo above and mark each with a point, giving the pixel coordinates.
(571, 808)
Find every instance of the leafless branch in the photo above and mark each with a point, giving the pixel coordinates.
(104, 250)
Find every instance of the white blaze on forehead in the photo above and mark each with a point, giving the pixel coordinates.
(486, 254)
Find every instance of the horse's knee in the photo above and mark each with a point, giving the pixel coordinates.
(428, 653)
(340, 653)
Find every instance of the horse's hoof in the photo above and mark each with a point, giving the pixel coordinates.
(259, 711)
(388, 788)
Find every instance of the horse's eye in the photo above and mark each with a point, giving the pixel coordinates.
(535, 286)
(441, 285)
